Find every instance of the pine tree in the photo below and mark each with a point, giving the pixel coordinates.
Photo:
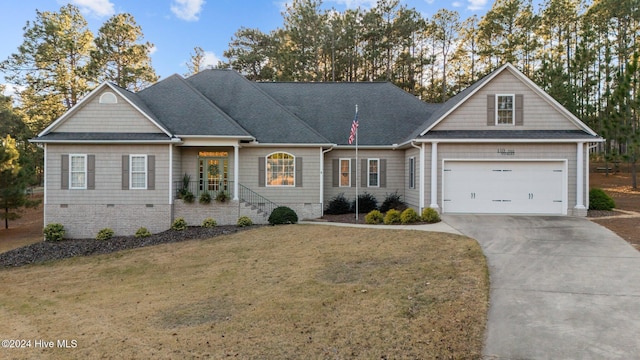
(13, 182)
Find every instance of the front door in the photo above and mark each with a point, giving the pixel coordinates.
(214, 173)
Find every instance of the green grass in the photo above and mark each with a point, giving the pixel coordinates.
(299, 291)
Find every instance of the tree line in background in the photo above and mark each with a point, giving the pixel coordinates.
(583, 53)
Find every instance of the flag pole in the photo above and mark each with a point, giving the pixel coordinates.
(357, 172)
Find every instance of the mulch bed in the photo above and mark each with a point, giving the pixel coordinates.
(56, 250)
(602, 213)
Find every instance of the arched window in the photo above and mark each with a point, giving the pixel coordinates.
(281, 169)
(108, 98)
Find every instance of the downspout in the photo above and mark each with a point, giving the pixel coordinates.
(322, 152)
(422, 180)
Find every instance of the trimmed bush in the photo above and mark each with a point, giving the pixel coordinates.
(374, 217)
(338, 205)
(393, 201)
(222, 196)
(392, 217)
(209, 223)
(409, 216)
(283, 215)
(188, 196)
(104, 234)
(599, 200)
(53, 232)
(366, 203)
(244, 221)
(430, 215)
(179, 224)
(142, 232)
(205, 198)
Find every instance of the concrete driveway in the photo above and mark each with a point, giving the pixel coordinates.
(561, 288)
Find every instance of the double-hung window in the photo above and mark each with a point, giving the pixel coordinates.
(505, 113)
(138, 172)
(345, 172)
(374, 173)
(78, 171)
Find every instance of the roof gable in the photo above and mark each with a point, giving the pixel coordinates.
(467, 110)
(127, 115)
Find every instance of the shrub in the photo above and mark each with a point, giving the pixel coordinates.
(392, 201)
(338, 205)
(53, 232)
(283, 215)
(188, 196)
(599, 200)
(222, 196)
(409, 216)
(244, 221)
(205, 198)
(374, 217)
(104, 234)
(392, 217)
(142, 232)
(186, 179)
(430, 215)
(366, 203)
(179, 224)
(209, 223)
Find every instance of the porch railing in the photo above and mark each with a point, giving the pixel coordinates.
(260, 202)
(195, 188)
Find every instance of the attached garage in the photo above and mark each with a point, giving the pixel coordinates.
(505, 187)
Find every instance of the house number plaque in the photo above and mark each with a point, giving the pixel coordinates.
(506, 152)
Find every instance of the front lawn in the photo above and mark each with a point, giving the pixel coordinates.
(297, 291)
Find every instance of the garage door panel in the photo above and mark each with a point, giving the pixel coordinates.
(503, 187)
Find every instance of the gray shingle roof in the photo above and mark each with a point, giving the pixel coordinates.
(258, 113)
(186, 112)
(98, 136)
(510, 135)
(386, 114)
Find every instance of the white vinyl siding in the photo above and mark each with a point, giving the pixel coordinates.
(138, 172)
(78, 171)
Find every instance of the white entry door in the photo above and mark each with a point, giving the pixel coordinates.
(504, 187)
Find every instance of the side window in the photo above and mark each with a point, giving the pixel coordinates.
(78, 171)
(345, 172)
(373, 179)
(505, 106)
(280, 169)
(138, 172)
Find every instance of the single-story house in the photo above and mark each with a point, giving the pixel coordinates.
(121, 160)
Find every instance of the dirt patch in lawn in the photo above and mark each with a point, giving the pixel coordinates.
(23, 231)
(618, 186)
(296, 291)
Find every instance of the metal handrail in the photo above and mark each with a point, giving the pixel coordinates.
(253, 198)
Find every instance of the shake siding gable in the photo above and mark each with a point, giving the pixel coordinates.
(115, 118)
(532, 111)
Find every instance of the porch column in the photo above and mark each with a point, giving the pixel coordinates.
(580, 177)
(434, 176)
(236, 171)
(422, 176)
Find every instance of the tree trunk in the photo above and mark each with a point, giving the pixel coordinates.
(6, 217)
(634, 182)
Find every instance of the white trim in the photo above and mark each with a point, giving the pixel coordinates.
(340, 172)
(506, 140)
(44, 200)
(580, 176)
(89, 97)
(170, 174)
(146, 172)
(84, 186)
(236, 171)
(266, 170)
(422, 176)
(527, 82)
(565, 175)
(513, 109)
(289, 145)
(434, 176)
(369, 160)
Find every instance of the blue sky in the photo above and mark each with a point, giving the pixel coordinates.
(175, 27)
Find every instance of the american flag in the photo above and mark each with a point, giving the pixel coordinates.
(354, 129)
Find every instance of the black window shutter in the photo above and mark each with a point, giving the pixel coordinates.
(125, 172)
(335, 175)
(261, 171)
(151, 172)
(298, 179)
(491, 110)
(64, 178)
(519, 110)
(91, 172)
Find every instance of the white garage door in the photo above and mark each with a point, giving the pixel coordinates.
(504, 187)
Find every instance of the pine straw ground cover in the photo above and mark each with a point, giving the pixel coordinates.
(296, 291)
